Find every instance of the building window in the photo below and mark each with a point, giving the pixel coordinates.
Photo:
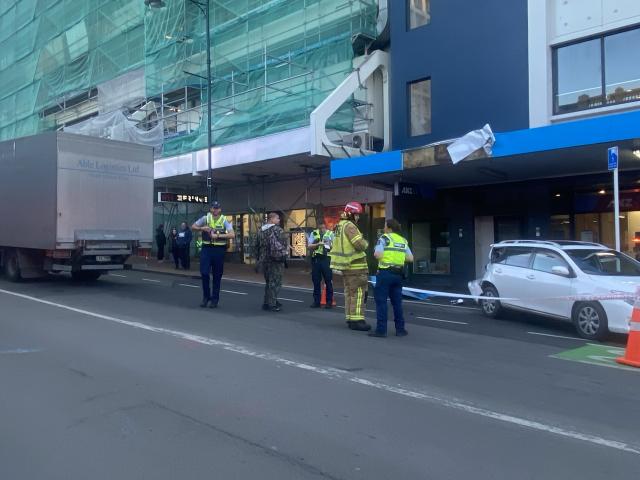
(420, 107)
(431, 248)
(598, 72)
(419, 13)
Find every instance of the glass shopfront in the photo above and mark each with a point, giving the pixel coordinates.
(431, 248)
(298, 224)
(593, 221)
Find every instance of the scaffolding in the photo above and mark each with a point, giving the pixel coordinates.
(273, 62)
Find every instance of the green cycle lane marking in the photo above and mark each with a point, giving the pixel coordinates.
(593, 354)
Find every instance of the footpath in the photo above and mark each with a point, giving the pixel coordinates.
(297, 275)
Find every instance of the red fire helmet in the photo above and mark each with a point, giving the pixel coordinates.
(354, 208)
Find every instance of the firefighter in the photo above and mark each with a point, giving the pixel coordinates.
(392, 252)
(216, 231)
(348, 257)
(320, 242)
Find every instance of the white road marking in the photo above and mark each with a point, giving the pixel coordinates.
(188, 285)
(425, 304)
(443, 321)
(151, 280)
(334, 373)
(557, 336)
(235, 293)
(290, 300)
(256, 282)
(116, 275)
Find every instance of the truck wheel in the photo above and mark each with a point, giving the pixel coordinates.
(12, 266)
(86, 275)
(490, 308)
(590, 320)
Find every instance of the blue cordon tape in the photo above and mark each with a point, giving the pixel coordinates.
(426, 294)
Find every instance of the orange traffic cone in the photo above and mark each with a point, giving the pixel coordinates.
(323, 296)
(632, 354)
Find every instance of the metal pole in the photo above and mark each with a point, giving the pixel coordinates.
(209, 141)
(616, 207)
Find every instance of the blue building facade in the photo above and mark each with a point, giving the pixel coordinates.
(474, 53)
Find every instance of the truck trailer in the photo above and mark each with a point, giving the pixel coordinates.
(73, 203)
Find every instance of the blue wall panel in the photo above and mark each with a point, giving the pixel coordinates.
(476, 54)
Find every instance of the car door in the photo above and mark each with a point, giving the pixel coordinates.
(510, 274)
(548, 288)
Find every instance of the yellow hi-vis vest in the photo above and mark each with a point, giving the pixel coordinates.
(218, 227)
(326, 238)
(395, 251)
(343, 255)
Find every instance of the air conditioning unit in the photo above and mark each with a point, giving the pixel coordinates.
(360, 140)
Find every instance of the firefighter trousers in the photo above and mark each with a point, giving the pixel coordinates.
(355, 290)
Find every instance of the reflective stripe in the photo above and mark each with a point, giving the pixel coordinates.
(359, 304)
(634, 327)
(218, 227)
(327, 237)
(343, 255)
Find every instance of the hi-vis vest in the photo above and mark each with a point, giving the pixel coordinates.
(317, 238)
(395, 251)
(343, 255)
(218, 227)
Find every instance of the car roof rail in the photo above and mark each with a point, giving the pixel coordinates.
(555, 243)
(516, 242)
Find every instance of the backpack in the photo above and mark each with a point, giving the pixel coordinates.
(275, 249)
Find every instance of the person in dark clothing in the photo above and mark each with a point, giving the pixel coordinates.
(173, 246)
(184, 245)
(161, 241)
(216, 233)
(272, 249)
(320, 245)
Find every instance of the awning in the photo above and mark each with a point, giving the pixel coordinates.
(571, 148)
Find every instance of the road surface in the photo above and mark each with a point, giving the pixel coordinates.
(128, 378)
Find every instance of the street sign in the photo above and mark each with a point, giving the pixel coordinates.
(612, 155)
(403, 189)
(612, 162)
(180, 198)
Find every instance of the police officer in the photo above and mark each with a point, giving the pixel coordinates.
(320, 242)
(216, 231)
(348, 257)
(392, 252)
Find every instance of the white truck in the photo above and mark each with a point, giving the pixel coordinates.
(73, 203)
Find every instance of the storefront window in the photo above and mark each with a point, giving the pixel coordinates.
(431, 248)
(419, 13)
(597, 72)
(420, 107)
(560, 227)
(295, 219)
(599, 228)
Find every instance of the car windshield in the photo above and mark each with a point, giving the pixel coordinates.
(604, 262)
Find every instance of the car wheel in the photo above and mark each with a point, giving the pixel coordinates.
(490, 308)
(590, 320)
(12, 266)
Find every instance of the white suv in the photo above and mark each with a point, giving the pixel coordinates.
(572, 281)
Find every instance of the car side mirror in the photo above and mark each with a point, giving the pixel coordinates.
(562, 271)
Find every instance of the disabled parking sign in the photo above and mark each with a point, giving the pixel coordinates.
(612, 158)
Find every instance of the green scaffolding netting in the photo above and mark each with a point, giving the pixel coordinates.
(273, 61)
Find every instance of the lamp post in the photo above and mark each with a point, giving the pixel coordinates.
(204, 8)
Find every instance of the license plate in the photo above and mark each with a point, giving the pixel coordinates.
(103, 258)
